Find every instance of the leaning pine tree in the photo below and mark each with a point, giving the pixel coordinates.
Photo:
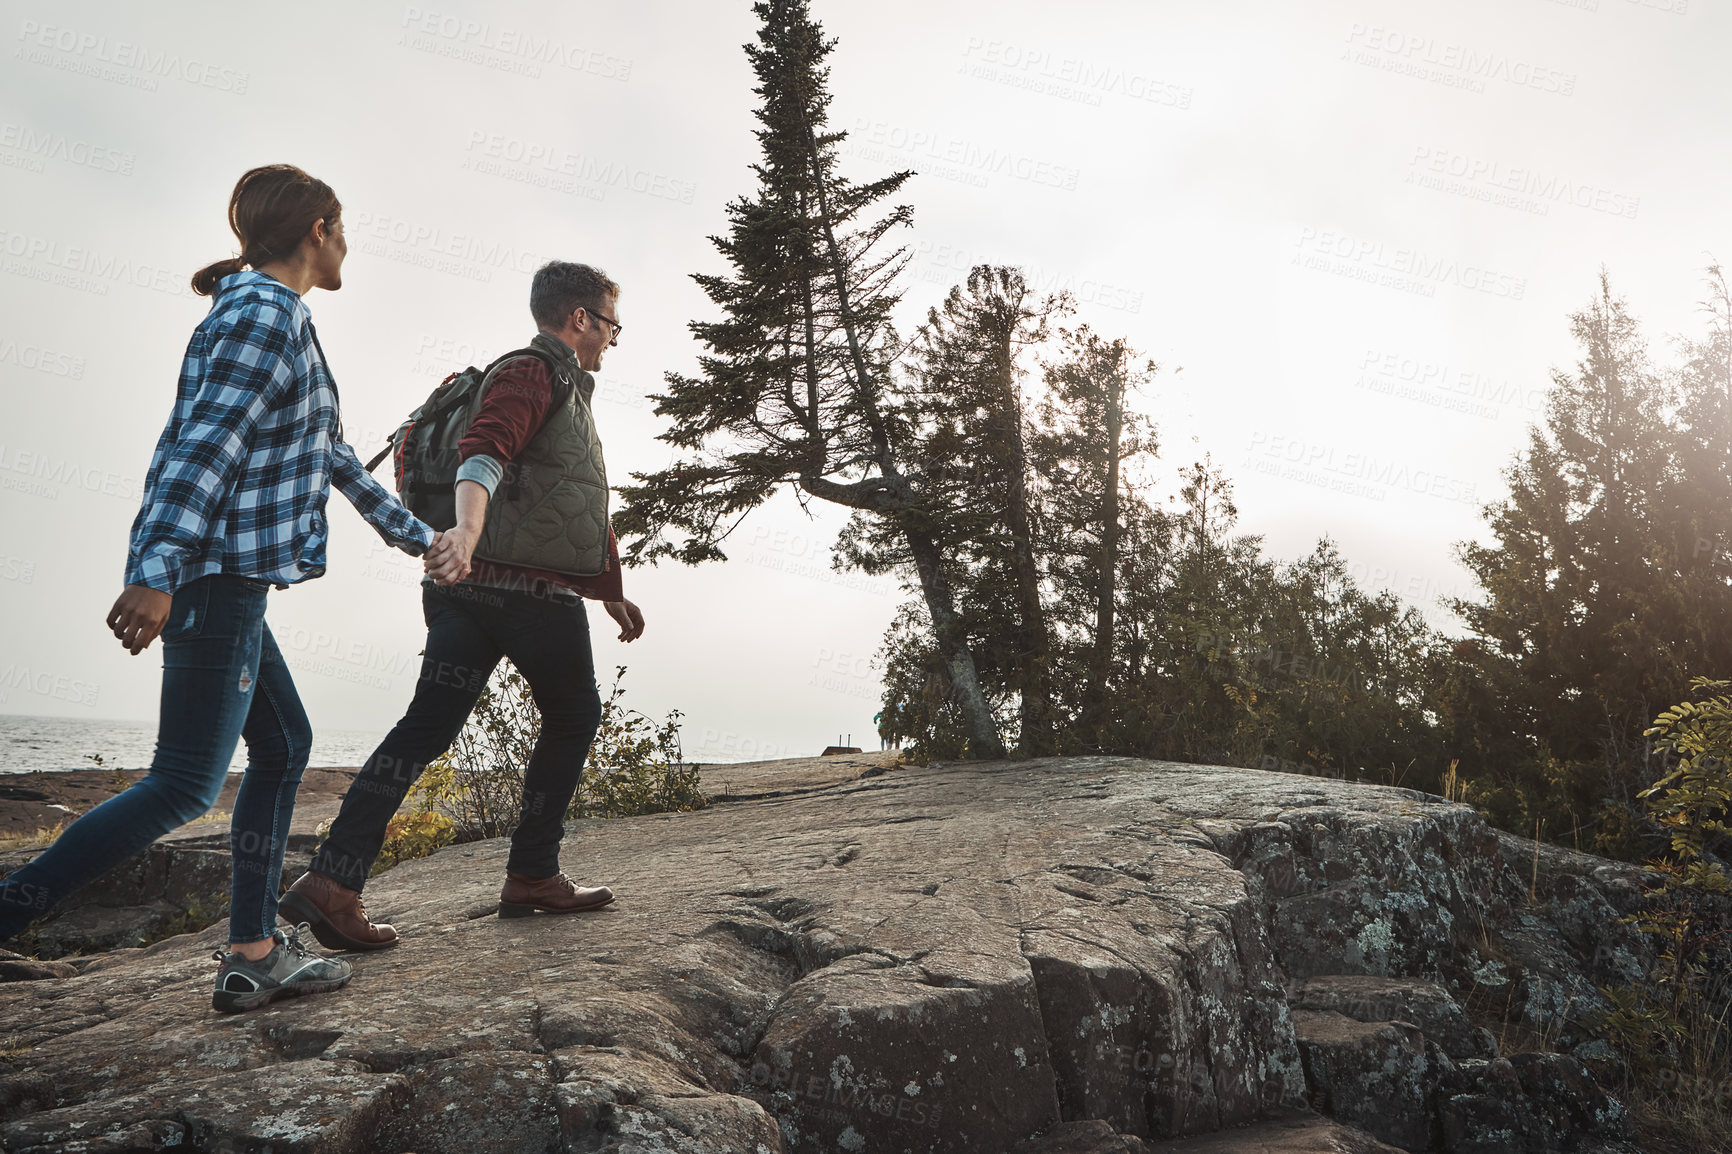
(963, 429)
(793, 388)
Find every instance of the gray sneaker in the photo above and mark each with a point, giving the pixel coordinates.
(288, 971)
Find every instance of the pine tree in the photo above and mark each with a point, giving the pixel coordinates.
(1342, 675)
(1088, 436)
(1206, 626)
(964, 417)
(1699, 502)
(1580, 624)
(793, 389)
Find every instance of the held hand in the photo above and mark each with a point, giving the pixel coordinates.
(629, 618)
(138, 616)
(448, 561)
(436, 551)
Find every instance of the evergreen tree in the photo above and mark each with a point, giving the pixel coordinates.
(1580, 626)
(1196, 705)
(793, 389)
(1088, 437)
(1342, 675)
(1212, 653)
(1699, 502)
(964, 422)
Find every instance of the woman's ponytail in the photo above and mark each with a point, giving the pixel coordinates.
(271, 209)
(204, 281)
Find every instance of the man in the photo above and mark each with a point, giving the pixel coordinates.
(531, 541)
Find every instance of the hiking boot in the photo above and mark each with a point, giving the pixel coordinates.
(523, 896)
(288, 971)
(335, 913)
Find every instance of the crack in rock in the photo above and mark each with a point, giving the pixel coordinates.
(1108, 951)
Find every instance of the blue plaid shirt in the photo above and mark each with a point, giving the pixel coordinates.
(241, 473)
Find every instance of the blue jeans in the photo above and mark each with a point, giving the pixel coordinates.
(223, 679)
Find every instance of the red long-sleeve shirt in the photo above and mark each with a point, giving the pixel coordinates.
(512, 412)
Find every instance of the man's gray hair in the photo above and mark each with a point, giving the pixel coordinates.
(561, 287)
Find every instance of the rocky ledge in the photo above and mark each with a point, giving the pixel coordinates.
(1074, 956)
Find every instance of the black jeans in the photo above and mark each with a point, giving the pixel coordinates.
(468, 629)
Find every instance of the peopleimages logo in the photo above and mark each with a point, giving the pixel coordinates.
(86, 269)
(42, 360)
(1478, 393)
(333, 656)
(973, 159)
(85, 52)
(1066, 77)
(942, 262)
(35, 471)
(524, 46)
(1429, 166)
(1360, 474)
(1329, 251)
(41, 146)
(17, 569)
(1419, 588)
(488, 152)
(43, 683)
(1417, 53)
(417, 242)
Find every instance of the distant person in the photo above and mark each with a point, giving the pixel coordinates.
(234, 504)
(530, 542)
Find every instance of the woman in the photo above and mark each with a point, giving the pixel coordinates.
(234, 504)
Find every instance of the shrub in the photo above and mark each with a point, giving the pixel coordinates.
(634, 765)
(479, 780)
(1672, 1030)
(412, 835)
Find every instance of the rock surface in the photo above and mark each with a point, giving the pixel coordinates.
(1092, 955)
(41, 800)
(1425, 1004)
(180, 882)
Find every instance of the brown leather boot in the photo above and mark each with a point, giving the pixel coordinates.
(335, 913)
(522, 896)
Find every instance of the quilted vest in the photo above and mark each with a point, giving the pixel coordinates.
(550, 510)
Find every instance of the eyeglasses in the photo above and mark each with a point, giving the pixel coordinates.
(617, 327)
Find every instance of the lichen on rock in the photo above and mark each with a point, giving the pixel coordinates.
(1084, 954)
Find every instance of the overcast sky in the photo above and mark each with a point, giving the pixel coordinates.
(1358, 227)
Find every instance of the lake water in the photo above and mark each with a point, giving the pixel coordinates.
(55, 743)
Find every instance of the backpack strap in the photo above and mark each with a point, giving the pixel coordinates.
(559, 382)
(558, 379)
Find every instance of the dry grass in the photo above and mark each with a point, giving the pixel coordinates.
(1662, 1126)
(1454, 786)
(215, 815)
(1680, 1105)
(44, 836)
(1686, 1106)
(1492, 1007)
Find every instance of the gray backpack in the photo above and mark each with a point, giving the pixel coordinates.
(424, 447)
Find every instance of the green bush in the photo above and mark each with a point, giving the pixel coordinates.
(1673, 1030)
(634, 765)
(413, 835)
(478, 783)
